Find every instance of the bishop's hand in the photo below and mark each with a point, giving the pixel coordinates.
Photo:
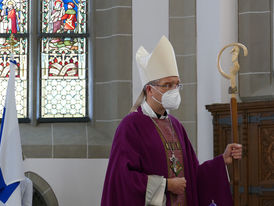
(176, 185)
(232, 151)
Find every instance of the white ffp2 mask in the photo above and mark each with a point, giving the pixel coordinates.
(170, 100)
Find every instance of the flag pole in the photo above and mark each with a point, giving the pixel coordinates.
(233, 108)
(11, 164)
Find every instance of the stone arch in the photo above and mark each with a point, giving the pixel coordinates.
(43, 195)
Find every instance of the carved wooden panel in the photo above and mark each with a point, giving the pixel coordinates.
(267, 202)
(266, 154)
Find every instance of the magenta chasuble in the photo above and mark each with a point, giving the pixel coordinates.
(138, 151)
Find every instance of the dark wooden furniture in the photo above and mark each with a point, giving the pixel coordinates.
(256, 134)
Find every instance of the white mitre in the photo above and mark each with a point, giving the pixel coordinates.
(156, 65)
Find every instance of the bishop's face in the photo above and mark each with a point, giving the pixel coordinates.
(163, 85)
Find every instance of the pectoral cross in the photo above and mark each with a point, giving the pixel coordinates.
(173, 160)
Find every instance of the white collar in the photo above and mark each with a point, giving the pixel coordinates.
(147, 110)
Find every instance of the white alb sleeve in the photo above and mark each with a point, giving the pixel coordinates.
(155, 192)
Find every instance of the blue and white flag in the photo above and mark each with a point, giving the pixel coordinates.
(11, 163)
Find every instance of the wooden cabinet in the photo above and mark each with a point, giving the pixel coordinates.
(256, 134)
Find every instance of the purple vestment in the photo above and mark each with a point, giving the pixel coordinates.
(137, 151)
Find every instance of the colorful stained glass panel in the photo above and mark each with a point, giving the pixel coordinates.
(20, 56)
(63, 72)
(60, 16)
(63, 58)
(13, 16)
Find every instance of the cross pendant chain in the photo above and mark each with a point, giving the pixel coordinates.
(173, 160)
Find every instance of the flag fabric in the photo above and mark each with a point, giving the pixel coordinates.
(11, 163)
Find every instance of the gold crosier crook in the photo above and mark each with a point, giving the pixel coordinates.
(233, 108)
(235, 68)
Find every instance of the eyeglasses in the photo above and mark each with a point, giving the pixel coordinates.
(169, 86)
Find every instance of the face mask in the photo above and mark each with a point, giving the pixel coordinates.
(170, 100)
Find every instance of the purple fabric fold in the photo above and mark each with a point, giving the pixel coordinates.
(212, 178)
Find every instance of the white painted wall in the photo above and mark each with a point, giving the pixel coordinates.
(149, 24)
(216, 26)
(74, 181)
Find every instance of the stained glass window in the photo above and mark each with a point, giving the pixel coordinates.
(14, 19)
(63, 59)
